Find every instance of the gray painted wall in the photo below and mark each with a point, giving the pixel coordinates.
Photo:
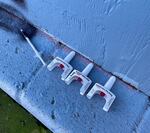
(114, 33)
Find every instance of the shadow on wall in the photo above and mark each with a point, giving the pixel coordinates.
(12, 20)
(21, 3)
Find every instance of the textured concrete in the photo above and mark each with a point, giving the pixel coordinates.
(17, 63)
(60, 107)
(144, 123)
(63, 109)
(103, 30)
(99, 28)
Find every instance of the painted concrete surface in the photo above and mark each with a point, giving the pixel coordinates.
(145, 122)
(17, 63)
(58, 106)
(99, 28)
(65, 110)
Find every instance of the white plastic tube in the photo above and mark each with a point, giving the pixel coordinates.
(33, 47)
(69, 57)
(87, 70)
(110, 83)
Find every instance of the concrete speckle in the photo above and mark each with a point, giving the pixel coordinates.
(53, 101)
(19, 85)
(53, 115)
(76, 112)
(112, 33)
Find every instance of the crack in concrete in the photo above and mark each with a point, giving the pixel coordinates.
(137, 125)
(137, 56)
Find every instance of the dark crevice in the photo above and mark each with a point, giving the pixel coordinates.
(53, 101)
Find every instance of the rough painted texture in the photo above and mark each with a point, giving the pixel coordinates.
(99, 28)
(17, 63)
(60, 107)
(63, 109)
(96, 31)
(145, 122)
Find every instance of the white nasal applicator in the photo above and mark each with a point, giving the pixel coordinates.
(81, 77)
(63, 64)
(105, 92)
